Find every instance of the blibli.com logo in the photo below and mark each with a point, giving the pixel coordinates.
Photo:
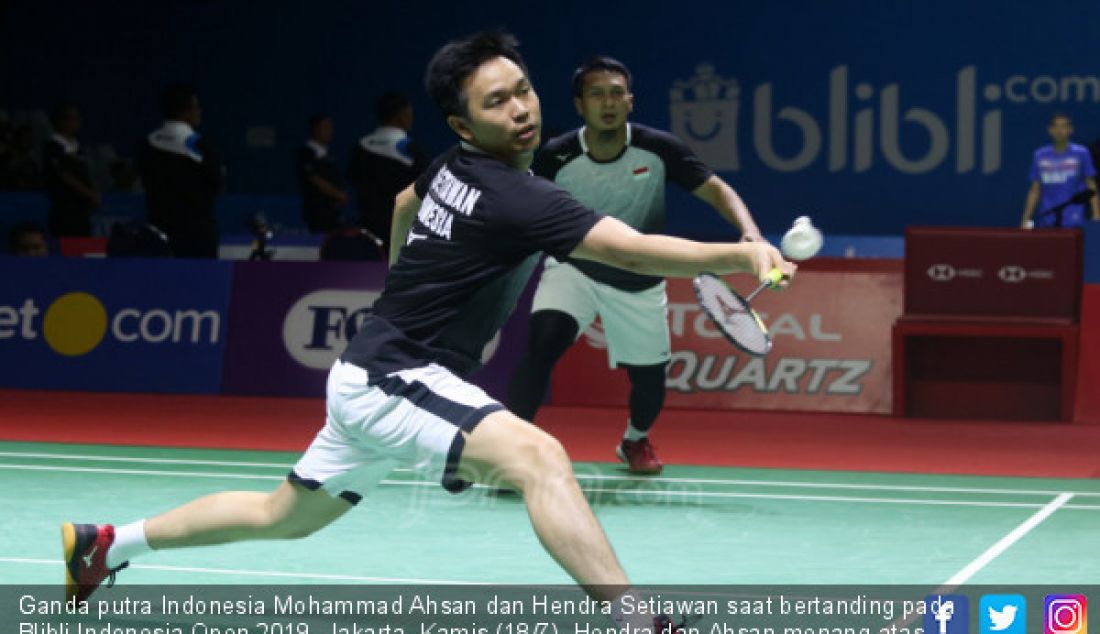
(1065, 614)
(76, 323)
(863, 117)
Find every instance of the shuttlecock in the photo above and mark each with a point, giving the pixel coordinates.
(802, 241)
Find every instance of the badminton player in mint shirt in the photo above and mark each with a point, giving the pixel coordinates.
(1058, 171)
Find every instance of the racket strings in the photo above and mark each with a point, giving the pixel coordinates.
(732, 315)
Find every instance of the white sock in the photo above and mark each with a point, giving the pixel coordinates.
(634, 434)
(129, 543)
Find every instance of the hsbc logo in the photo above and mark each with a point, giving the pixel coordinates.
(319, 326)
(946, 273)
(941, 272)
(1012, 274)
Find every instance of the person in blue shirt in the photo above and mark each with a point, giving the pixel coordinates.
(1060, 171)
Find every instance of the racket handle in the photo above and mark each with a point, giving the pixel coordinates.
(775, 276)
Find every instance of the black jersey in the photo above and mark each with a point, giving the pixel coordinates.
(321, 213)
(381, 165)
(70, 212)
(467, 258)
(183, 178)
(630, 187)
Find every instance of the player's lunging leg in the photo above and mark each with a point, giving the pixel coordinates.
(95, 553)
(504, 449)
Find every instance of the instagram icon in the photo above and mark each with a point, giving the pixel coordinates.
(1065, 614)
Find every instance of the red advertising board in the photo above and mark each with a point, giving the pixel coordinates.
(958, 272)
(831, 330)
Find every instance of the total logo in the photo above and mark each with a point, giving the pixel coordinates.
(864, 118)
(319, 325)
(76, 323)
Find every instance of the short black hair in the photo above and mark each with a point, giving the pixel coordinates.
(176, 99)
(457, 60)
(61, 111)
(597, 63)
(390, 105)
(1059, 115)
(315, 120)
(20, 229)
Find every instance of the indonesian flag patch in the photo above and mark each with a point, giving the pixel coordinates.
(640, 173)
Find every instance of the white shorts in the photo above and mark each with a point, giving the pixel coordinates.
(411, 418)
(635, 323)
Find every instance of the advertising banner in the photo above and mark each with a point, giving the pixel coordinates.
(291, 320)
(831, 330)
(992, 273)
(1088, 358)
(113, 324)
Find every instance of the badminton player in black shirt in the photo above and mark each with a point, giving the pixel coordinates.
(398, 395)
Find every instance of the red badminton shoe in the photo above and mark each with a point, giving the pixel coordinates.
(86, 558)
(639, 456)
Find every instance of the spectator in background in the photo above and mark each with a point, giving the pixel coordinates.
(1060, 171)
(383, 163)
(18, 168)
(323, 196)
(27, 238)
(68, 177)
(183, 177)
(124, 177)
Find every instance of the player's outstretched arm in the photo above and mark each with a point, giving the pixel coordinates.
(615, 243)
(404, 212)
(1030, 203)
(719, 195)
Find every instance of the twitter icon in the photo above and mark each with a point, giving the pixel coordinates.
(1003, 614)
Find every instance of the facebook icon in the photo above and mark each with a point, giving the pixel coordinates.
(946, 614)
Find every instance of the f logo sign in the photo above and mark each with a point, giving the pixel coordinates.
(941, 272)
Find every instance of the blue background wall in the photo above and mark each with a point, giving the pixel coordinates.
(271, 64)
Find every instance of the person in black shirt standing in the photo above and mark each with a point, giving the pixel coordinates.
(383, 163)
(323, 197)
(183, 177)
(398, 394)
(68, 177)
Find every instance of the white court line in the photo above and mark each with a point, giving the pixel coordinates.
(143, 472)
(645, 492)
(982, 560)
(837, 485)
(261, 573)
(646, 479)
(187, 461)
(991, 553)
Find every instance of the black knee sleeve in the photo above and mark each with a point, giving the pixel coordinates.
(551, 334)
(647, 393)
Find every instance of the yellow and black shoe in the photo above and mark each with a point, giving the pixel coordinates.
(85, 547)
